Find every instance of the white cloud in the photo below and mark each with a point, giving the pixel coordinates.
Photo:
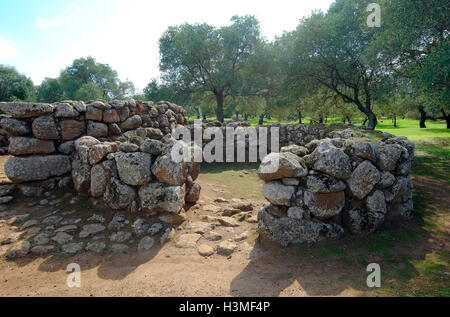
(69, 17)
(45, 23)
(7, 50)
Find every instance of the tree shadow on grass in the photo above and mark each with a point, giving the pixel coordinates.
(333, 268)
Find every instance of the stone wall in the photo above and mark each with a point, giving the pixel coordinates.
(104, 150)
(335, 186)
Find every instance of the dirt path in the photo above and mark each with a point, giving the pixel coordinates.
(254, 269)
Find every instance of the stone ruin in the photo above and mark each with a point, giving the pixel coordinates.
(334, 186)
(329, 182)
(117, 153)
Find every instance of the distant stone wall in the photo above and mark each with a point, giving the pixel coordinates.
(104, 150)
(335, 186)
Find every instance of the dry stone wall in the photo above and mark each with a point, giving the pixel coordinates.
(117, 152)
(335, 186)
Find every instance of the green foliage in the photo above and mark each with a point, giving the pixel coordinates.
(15, 86)
(202, 58)
(85, 79)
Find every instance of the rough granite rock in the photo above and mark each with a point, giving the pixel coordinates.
(28, 145)
(131, 123)
(324, 206)
(330, 160)
(285, 230)
(281, 165)
(321, 183)
(15, 127)
(376, 202)
(25, 109)
(118, 195)
(160, 197)
(34, 168)
(295, 149)
(363, 179)
(71, 129)
(170, 172)
(134, 168)
(97, 129)
(277, 193)
(45, 128)
(65, 110)
(362, 222)
(387, 155)
(193, 193)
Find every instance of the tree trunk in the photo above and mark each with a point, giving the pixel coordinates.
(261, 119)
(299, 117)
(395, 121)
(237, 116)
(372, 119)
(423, 117)
(321, 119)
(219, 111)
(246, 117)
(446, 117)
(204, 116)
(349, 120)
(365, 121)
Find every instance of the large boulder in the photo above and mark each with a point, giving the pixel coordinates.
(360, 221)
(111, 116)
(285, 230)
(321, 183)
(386, 180)
(97, 129)
(25, 109)
(131, 123)
(34, 168)
(330, 160)
(363, 179)
(27, 145)
(65, 110)
(360, 149)
(376, 202)
(71, 129)
(99, 151)
(118, 195)
(277, 193)
(94, 113)
(388, 155)
(281, 165)
(324, 206)
(100, 176)
(161, 197)
(15, 126)
(170, 172)
(45, 128)
(134, 168)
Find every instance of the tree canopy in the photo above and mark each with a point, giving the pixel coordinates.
(15, 86)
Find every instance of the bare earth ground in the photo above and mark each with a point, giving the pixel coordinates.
(414, 257)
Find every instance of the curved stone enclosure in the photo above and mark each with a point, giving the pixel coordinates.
(335, 186)
(116, 152)
(324, 183)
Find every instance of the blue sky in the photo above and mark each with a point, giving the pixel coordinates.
(41, 37)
